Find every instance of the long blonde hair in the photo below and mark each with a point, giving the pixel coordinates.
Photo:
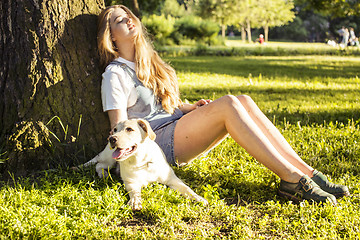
(151, 70)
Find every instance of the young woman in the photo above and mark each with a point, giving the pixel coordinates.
(138, 84)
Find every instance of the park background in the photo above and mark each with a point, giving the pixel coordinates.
(308, 89)
(175, 22)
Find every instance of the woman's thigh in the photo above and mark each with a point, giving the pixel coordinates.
(201, 129)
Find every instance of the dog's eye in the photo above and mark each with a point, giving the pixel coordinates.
(115, 129)
(129, 129)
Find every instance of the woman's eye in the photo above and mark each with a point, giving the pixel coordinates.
(124, 19)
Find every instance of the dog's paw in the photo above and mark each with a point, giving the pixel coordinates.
(75, 169)
(201, 199)
(135, 204)
(102, 173)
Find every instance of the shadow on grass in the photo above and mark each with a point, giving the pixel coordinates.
(58, 177)
(52, 181)
(233, 190)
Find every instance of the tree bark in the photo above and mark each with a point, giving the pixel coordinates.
(266, 32)
(49, 68)
(248, 30)
(136, 8)
(223, 30)
(243, 34)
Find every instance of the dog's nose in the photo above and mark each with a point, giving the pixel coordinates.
(112, 140)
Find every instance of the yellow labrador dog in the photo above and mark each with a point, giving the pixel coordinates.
(141, 161)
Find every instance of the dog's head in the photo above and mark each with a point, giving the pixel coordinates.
(127, 136)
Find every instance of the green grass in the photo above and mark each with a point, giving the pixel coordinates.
(313, 100)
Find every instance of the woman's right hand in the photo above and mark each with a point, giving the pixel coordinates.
(202, 102)
(186, 108)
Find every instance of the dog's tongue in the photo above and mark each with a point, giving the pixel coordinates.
(118, 153)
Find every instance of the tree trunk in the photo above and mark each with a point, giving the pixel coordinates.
(248, 30)
(223, 29)
(243, 34)
(49, 68)
(266, 32)
(136, 8)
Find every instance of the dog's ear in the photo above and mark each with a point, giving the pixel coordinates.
(146, 127)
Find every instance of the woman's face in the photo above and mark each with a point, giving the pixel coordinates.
(122, 26)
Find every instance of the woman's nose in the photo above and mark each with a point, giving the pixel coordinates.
(129, 21)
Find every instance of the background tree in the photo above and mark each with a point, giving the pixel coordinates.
(295, 31)
(173, 8)
(139, 7)
(323, 18)
(159, 26)
(49, 67)
(221, 11)
(333, 8)
(315, 26)
(247, 13)
(274, 13)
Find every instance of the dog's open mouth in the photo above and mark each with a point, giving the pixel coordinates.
(121, 153)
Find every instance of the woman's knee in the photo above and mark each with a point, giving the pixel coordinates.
(225, 105)
(230, 99)
(245, 99)
(230, 102)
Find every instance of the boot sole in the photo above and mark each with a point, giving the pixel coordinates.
(340, 195)
(295, 199)
(289, 196)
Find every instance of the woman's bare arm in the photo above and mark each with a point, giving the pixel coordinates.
(115, 116)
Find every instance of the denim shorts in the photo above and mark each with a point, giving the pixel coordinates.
(165, 139)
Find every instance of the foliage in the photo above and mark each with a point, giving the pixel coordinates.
(163, 29)
(247, 13)
(275, 13)
(314, 103)
(319, 19)
(146, 6)
(333, 8)
(172, 8)
(175, 24)
(263, 13)
(320, 28)
(159, 27)
(220, 11)
(196, 28)
(295, 30)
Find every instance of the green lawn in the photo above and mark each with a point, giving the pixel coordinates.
(313, 100)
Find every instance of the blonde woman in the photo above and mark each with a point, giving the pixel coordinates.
(138, 84)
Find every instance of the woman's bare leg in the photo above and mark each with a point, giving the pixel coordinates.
(205, 126)
(273, 134)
